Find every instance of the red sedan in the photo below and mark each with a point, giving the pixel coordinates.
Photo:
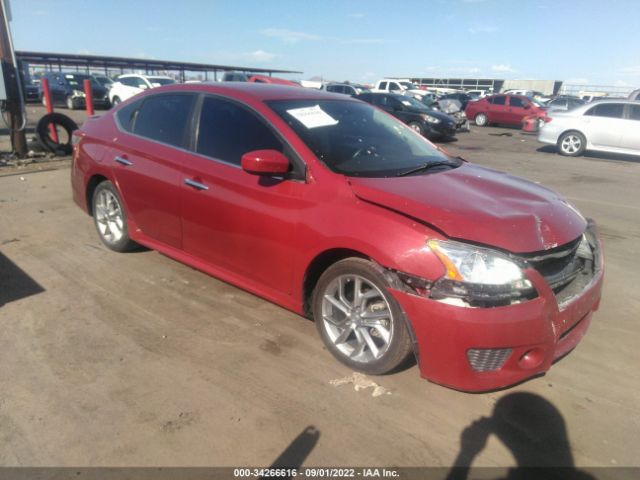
(503, 109)
(334, 209)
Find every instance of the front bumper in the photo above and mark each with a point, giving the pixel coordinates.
(535, 333)
(442, 129)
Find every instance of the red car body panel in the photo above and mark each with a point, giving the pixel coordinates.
(503, 114)
(264, 235)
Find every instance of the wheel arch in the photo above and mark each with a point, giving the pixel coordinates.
(92, 184)
(317, 267)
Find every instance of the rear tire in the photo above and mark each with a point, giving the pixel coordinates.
(359, 321)
(481, 120)
(572, 144)
(110, 218)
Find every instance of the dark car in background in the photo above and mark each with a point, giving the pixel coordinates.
(564, 102)
(67, 90)
(433, 125)
(345, 88)
(462, 97)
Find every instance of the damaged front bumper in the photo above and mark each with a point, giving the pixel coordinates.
(481, 349)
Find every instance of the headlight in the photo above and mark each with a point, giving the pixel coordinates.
(478, 276)
(429, 118)
(78, 93)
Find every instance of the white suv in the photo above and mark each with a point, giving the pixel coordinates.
(126, 86)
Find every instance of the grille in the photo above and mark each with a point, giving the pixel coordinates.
(487, 359)
(568, 268)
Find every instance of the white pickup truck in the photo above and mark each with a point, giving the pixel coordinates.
(400, 86)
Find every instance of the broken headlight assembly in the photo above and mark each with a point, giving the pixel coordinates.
(478, 277)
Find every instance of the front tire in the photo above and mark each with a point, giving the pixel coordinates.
(481, 120)
(110, 218)
(359, 321)
(115, 101)
(417, 127)
(572, 144)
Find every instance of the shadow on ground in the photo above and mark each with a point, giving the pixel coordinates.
(15, 283)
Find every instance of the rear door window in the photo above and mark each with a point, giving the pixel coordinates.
(516, 102)
(499, 100)
(227, 131)
(164, 118)
(610, 110)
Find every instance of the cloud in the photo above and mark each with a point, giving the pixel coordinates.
(289, 36)
(261, 56)
(502, 68)
(482, 29)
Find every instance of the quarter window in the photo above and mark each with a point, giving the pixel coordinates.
(164, 118)
(634, 112)
(227, 132)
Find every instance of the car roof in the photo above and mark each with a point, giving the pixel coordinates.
(250, 90)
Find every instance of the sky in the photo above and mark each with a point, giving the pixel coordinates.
(580, 42)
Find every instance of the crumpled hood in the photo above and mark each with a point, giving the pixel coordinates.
(480, 205)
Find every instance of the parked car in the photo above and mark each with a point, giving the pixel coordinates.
(31, 92)
(462, 97)
(235, 77)
(564, 102)
(345, 88)
(126, 86)
(502, 109)
(67, 90)
(433, 125)
(399, 86)
(105, 81)
(272, 80)
(604, 125)
(339, 212)
(477, 94)
(533, 94)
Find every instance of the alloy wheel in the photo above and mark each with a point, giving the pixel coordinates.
(571, 144)
(357, 318)
(109, 218)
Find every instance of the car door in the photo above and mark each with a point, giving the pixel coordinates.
(517, 109)
(147, 162)
(631, 131)
(496, 112)
(604, 124)
(242, 223)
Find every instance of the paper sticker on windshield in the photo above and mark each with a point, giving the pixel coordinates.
(312, 117)
(404, 102)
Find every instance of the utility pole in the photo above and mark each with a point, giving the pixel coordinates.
(13, 86)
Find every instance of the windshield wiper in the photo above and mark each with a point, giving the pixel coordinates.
(427, 166)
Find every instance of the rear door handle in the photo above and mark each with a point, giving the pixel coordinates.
(123, 161)
(196, 185)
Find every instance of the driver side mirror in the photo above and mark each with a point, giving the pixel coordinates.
(265, 162)
(526, 106)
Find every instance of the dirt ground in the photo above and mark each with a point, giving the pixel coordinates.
(134, 359)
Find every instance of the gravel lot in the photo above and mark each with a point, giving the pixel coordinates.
(133, 359)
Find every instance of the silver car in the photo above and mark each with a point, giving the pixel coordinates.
(604, 125)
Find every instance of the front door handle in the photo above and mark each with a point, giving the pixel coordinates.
(196, 185)
(123, 161)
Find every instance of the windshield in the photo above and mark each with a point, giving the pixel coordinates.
(104, 80)
(159, 81)
(355, 139)
(76, 80)
(415, 103)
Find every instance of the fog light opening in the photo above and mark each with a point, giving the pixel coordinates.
(531, 359)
